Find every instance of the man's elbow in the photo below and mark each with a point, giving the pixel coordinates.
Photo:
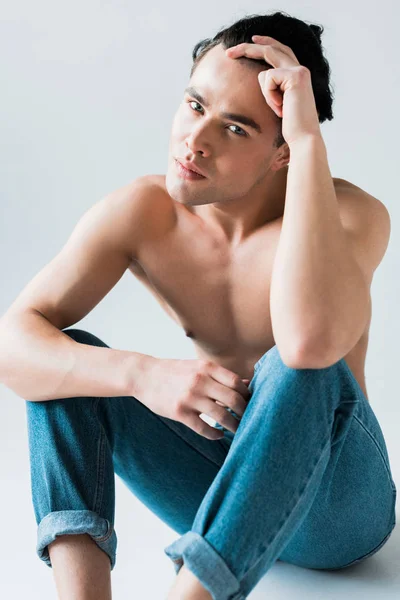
(308, 355)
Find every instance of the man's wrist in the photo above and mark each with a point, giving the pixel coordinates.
(307, 141)
(136, 372)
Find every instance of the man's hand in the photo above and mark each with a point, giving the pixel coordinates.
(183, 389)
(286, 87)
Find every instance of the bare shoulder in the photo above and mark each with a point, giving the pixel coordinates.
(146, 191)
(344, 185)
(146, 209)
(355, 192)
(353, 198)
(366, 220)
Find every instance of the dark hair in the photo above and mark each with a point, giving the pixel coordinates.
(302, 38)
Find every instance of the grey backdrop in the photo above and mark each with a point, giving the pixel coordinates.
(88, 92)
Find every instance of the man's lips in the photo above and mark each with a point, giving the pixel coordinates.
(190, 166)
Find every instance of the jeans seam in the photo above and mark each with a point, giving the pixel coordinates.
(388, 471)
(98, 495)
(105, 537)
(367, 555)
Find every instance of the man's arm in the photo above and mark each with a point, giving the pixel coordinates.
(40, 362)
(324, 264)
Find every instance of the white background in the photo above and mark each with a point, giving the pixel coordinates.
(88, 92)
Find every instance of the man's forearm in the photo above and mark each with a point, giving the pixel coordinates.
(40, 362)
(314, 275)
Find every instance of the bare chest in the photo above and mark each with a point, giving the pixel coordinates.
(220, 298)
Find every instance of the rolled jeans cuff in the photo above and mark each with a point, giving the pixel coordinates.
(208, 566)
(64, 522)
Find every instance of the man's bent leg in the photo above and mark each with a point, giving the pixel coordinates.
(72, 483)
(188, 587)
(81, 568)
(77, 444)
(271, 477)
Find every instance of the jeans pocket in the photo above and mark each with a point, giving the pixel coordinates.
(262, 359)
(257, 364)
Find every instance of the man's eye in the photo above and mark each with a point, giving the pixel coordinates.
(242, 130)
(244, 134)
(194, 102)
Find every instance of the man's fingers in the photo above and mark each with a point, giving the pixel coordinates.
(222, 375)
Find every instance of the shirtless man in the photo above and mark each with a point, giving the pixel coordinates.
(208, 248)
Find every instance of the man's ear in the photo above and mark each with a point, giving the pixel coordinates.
(282, 157)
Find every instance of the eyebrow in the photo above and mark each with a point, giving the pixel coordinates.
(245, 120)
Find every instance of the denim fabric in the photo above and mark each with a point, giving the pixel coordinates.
(306, 479)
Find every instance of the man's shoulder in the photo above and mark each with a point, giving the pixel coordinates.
(147, 196)
(153, 181)
(149, 185)
(345, 185)
(367, 222)
(340, 183)
(353, 194)
(156, 179)
(152, 211)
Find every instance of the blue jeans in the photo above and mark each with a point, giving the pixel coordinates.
(306, 478)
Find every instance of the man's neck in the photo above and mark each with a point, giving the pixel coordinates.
(232, 224)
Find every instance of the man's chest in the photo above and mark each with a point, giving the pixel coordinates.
(220, 297)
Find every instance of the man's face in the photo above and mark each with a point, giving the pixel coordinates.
(235, 157)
